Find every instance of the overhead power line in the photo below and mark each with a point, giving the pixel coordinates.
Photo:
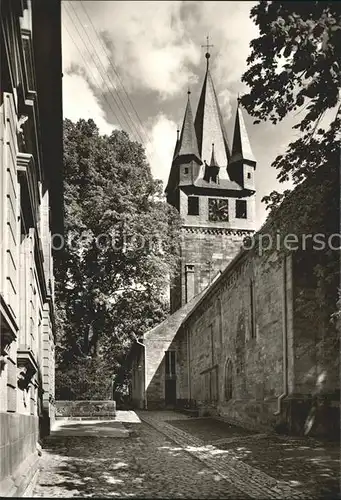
(132, 127)
(100, 74)
(86, 65)
(116, 72)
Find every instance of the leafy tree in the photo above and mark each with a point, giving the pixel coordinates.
(120, 250)
(295, 65)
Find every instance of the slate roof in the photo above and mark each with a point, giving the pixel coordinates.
(213, 162)
(188, 144)
(209, 125)
(170, 326)
(241, 147)
(224, 184)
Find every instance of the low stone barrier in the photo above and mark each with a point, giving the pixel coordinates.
(86, 409)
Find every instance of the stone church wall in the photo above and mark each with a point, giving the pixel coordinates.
(220, 330)
(156, 346)
(276, 336)
(209, 251)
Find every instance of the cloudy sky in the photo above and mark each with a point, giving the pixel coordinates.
(128, 65)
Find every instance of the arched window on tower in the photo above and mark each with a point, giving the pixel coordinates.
(228, 380)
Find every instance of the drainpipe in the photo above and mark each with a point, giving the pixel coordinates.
(188, 368)
(285, 341)
(144, 373)
(220, 397)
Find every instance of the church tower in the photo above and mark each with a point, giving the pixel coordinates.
(213, 188)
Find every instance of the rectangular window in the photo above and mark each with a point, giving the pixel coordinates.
(190, 281)
(28, 62)
(193, 205)
(252, 310)
(241, 212)
(186, 170)
(170, 364)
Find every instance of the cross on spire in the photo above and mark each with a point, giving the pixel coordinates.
(207, 47)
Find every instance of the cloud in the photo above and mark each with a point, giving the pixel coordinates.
(231, 31)
(161, 148)
(156, 49)
(82, 49)
(146, 41)
(224, 98)
(80, 102)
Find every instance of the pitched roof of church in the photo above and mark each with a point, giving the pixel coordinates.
(205, 141)
(224, 184)
(209, 125)
(171, 325)
(241, 147)
(188, 144)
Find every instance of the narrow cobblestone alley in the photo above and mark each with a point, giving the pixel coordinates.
(169, 455)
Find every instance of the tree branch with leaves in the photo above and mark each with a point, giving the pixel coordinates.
(295, 65)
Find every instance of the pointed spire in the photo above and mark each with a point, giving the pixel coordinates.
(209, 126)
(241, 147)
(188, 144)
(213, 162)
(177, 143)
(212, 170)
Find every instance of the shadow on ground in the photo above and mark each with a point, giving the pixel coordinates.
(307, 465)
(146, 465)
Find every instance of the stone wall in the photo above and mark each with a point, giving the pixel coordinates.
(220, 330)
(155, 368)
(208, 246)
(18, 451)
(209, 250)
(157, 341)
(268, 317)
(86, 409)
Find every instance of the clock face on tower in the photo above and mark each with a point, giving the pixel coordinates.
(218, 210)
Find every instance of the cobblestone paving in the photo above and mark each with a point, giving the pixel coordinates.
(265, 466)
(146, 465)
(308, 464)
(209, 430)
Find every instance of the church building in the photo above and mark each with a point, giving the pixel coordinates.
(213, 188)
(247, 338)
